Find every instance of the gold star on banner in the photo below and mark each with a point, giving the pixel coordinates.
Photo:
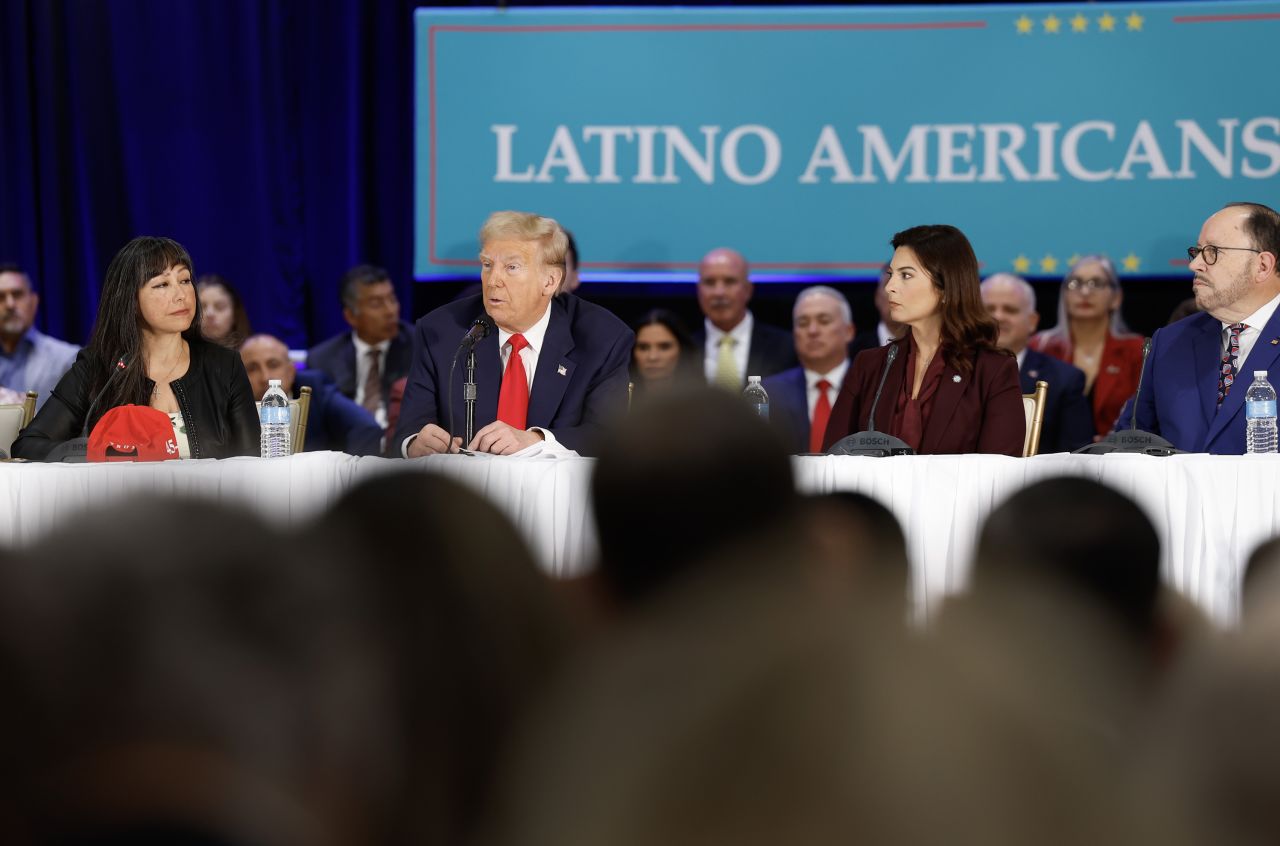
(1106, 23)
(1052, 24)
(1024, 25)
(1022, 264)
(1131, 262)
(1071, 262)
(1134, 22)
(1079, 23)
(1048, 264)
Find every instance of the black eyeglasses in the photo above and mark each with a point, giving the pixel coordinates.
(1210, 252)
(1092, 283)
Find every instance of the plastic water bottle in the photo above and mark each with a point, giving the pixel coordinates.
(274, 417)
(757, 397)
(1260, 415)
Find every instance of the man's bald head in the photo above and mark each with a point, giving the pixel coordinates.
(723, 287)
(265, 358)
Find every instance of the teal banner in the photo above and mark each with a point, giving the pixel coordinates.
(805, 137)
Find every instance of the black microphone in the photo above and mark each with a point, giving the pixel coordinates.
(869, 442)
(888, 362)
(75, 450)
(480, 329)
(1133, 415)
(1133, 439)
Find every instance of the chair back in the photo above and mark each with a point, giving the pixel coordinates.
(1033, 408)
(299, 409)
(14, 417)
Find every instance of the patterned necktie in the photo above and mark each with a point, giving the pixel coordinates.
(373, 385)
(513, 396)
(1228, 374)
(821, 414)
(726, 368)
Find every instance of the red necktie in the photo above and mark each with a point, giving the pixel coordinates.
(513, 396)
(821, 414)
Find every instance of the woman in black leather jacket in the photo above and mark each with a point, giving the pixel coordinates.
(146, 349)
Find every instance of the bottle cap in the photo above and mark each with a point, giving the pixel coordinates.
(1259, 374)
(273, 383)
(753, 379)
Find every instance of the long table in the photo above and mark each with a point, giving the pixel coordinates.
(1211, 512)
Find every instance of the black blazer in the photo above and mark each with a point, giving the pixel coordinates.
(214, 396)
(1068, 417)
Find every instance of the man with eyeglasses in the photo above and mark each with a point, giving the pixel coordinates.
(1190, 392)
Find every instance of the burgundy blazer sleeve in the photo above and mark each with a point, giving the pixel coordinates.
(1004, 423)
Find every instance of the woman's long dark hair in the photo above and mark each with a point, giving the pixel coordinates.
(670, 321)
(240, 326)
(948, 257)
(117, 331)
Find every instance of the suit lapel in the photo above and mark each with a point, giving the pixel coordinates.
(945, 402)
(1030, 373)
(1206, 349)
(1261, 357)
(555, 369)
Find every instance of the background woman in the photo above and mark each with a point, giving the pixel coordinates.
(223, 317)
(146, 349)
(1091, 335)
(663, 352)
(950, 389)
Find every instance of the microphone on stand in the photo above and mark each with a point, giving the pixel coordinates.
(869, 442)
(74, 450)
(480, 329)
(1133, 439)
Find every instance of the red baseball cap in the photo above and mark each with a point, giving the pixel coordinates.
(132, 433)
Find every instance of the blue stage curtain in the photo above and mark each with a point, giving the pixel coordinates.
(272, 138)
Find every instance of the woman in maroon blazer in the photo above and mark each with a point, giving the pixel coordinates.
(950, 389)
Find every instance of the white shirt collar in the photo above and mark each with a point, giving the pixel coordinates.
(363, 347)
(740, 333)
(1260, 317)
(534, 334)
(835, 376)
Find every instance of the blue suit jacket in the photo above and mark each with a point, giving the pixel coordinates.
(789, 406)
(580, 383)
(1179, 396)
(1068, 417)
(335, 422)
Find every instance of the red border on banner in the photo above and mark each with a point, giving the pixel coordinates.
(477, 28)
(1257, 16)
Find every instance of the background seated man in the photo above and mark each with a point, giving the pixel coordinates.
(29, 359)
(364, 362)
(334, 422)
(555, 367)
(801, 398)
(734, 345)
(1068, 419)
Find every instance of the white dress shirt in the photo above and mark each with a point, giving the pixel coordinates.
(741, 335)
(1250, 335)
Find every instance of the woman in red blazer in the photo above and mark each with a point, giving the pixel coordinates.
(1091, 335)
(950, 388)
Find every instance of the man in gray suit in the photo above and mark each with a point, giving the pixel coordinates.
(29, 359)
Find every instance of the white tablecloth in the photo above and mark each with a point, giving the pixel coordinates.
(1210, 511)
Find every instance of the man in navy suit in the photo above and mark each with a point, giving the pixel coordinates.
(364, 362)
(1195, 378)
(1068, 420)
(800, 399)
(554, 369)
(333, 421)
(734, 345)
